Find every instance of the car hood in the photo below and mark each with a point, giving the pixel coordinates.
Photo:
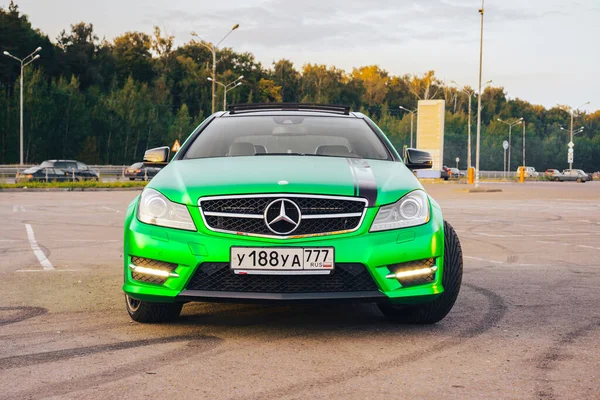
(381, 182)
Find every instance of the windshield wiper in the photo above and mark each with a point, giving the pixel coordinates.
(309, 154)
(280, 154)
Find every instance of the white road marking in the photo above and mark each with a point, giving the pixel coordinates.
(87, 240)
(536, 235)
(483, 259)
(588, 247)
(45, 270)
(555, 243)
(111, 209)
(14, 208)
(37, 251)
(503, 263)
(18, 208)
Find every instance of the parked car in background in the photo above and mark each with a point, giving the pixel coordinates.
(41, 174)
(552, 174)
(576, 175)
(455, 173)
(140, 171)
(530, 172)
(445, 173)
(82, 171)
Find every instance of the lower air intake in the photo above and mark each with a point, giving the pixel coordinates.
(346, 277)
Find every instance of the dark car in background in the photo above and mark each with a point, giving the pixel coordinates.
(445, 173)
(141, 171)
(42, 174)
(72, 167)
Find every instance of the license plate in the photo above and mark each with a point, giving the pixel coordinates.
(282, 259)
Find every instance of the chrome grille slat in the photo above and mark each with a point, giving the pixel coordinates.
(244, 214)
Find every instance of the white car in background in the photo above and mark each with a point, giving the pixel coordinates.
(530, 172)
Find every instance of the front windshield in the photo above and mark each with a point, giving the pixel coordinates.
(266, 135)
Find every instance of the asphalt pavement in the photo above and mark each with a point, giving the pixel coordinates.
(525, 326)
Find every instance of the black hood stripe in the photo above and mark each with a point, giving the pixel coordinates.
(365, 183)
(354, 179)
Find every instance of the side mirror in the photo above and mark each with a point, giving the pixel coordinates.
(157, 156)
(417, 159)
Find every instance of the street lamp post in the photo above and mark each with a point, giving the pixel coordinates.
(24, 62)
(227, 87)
(470, 94)
(524, 125)
(510, 125)
(477, 152)
(571, 111)
(213, 49)
(412, 114)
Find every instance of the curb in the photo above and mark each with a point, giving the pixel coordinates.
(479, 190)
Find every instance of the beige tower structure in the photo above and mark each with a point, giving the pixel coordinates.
(430, 134)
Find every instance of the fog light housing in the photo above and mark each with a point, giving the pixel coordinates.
(151, 271)
(414, 273)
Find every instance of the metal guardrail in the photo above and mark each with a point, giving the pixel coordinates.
(117, 172)
(8, 173)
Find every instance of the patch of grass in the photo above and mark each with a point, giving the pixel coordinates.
(73, 185)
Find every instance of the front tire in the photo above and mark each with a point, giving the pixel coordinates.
(143, 311)
(435, 311)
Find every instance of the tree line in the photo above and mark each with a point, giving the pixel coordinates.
(106, 102)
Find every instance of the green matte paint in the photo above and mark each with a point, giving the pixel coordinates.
(185, 181)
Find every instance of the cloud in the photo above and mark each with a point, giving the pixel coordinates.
(334, 23)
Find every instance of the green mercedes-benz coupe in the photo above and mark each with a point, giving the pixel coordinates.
(289, 203)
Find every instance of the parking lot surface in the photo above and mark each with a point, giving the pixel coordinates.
(526, 323)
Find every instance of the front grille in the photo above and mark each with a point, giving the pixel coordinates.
(307, 227)
(346, 277)
(308, 205)
(154, 264)
(246, 214)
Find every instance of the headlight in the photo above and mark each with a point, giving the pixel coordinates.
(411, 210)
(156, 209)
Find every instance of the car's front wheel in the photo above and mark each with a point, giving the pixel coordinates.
(435, 311)
(143, 311)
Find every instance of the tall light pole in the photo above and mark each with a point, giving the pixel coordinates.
(213, 49)
(481, 11)
(524, 125)
(227, 87)
(24, 62)
(510, 125)
(412, 114)
(470, 94)
(571, 111)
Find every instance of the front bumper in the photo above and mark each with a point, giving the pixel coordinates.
(376, 251)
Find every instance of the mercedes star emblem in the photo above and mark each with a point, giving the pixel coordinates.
(282, 216)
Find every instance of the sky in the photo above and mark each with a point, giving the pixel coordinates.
(542, 51)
